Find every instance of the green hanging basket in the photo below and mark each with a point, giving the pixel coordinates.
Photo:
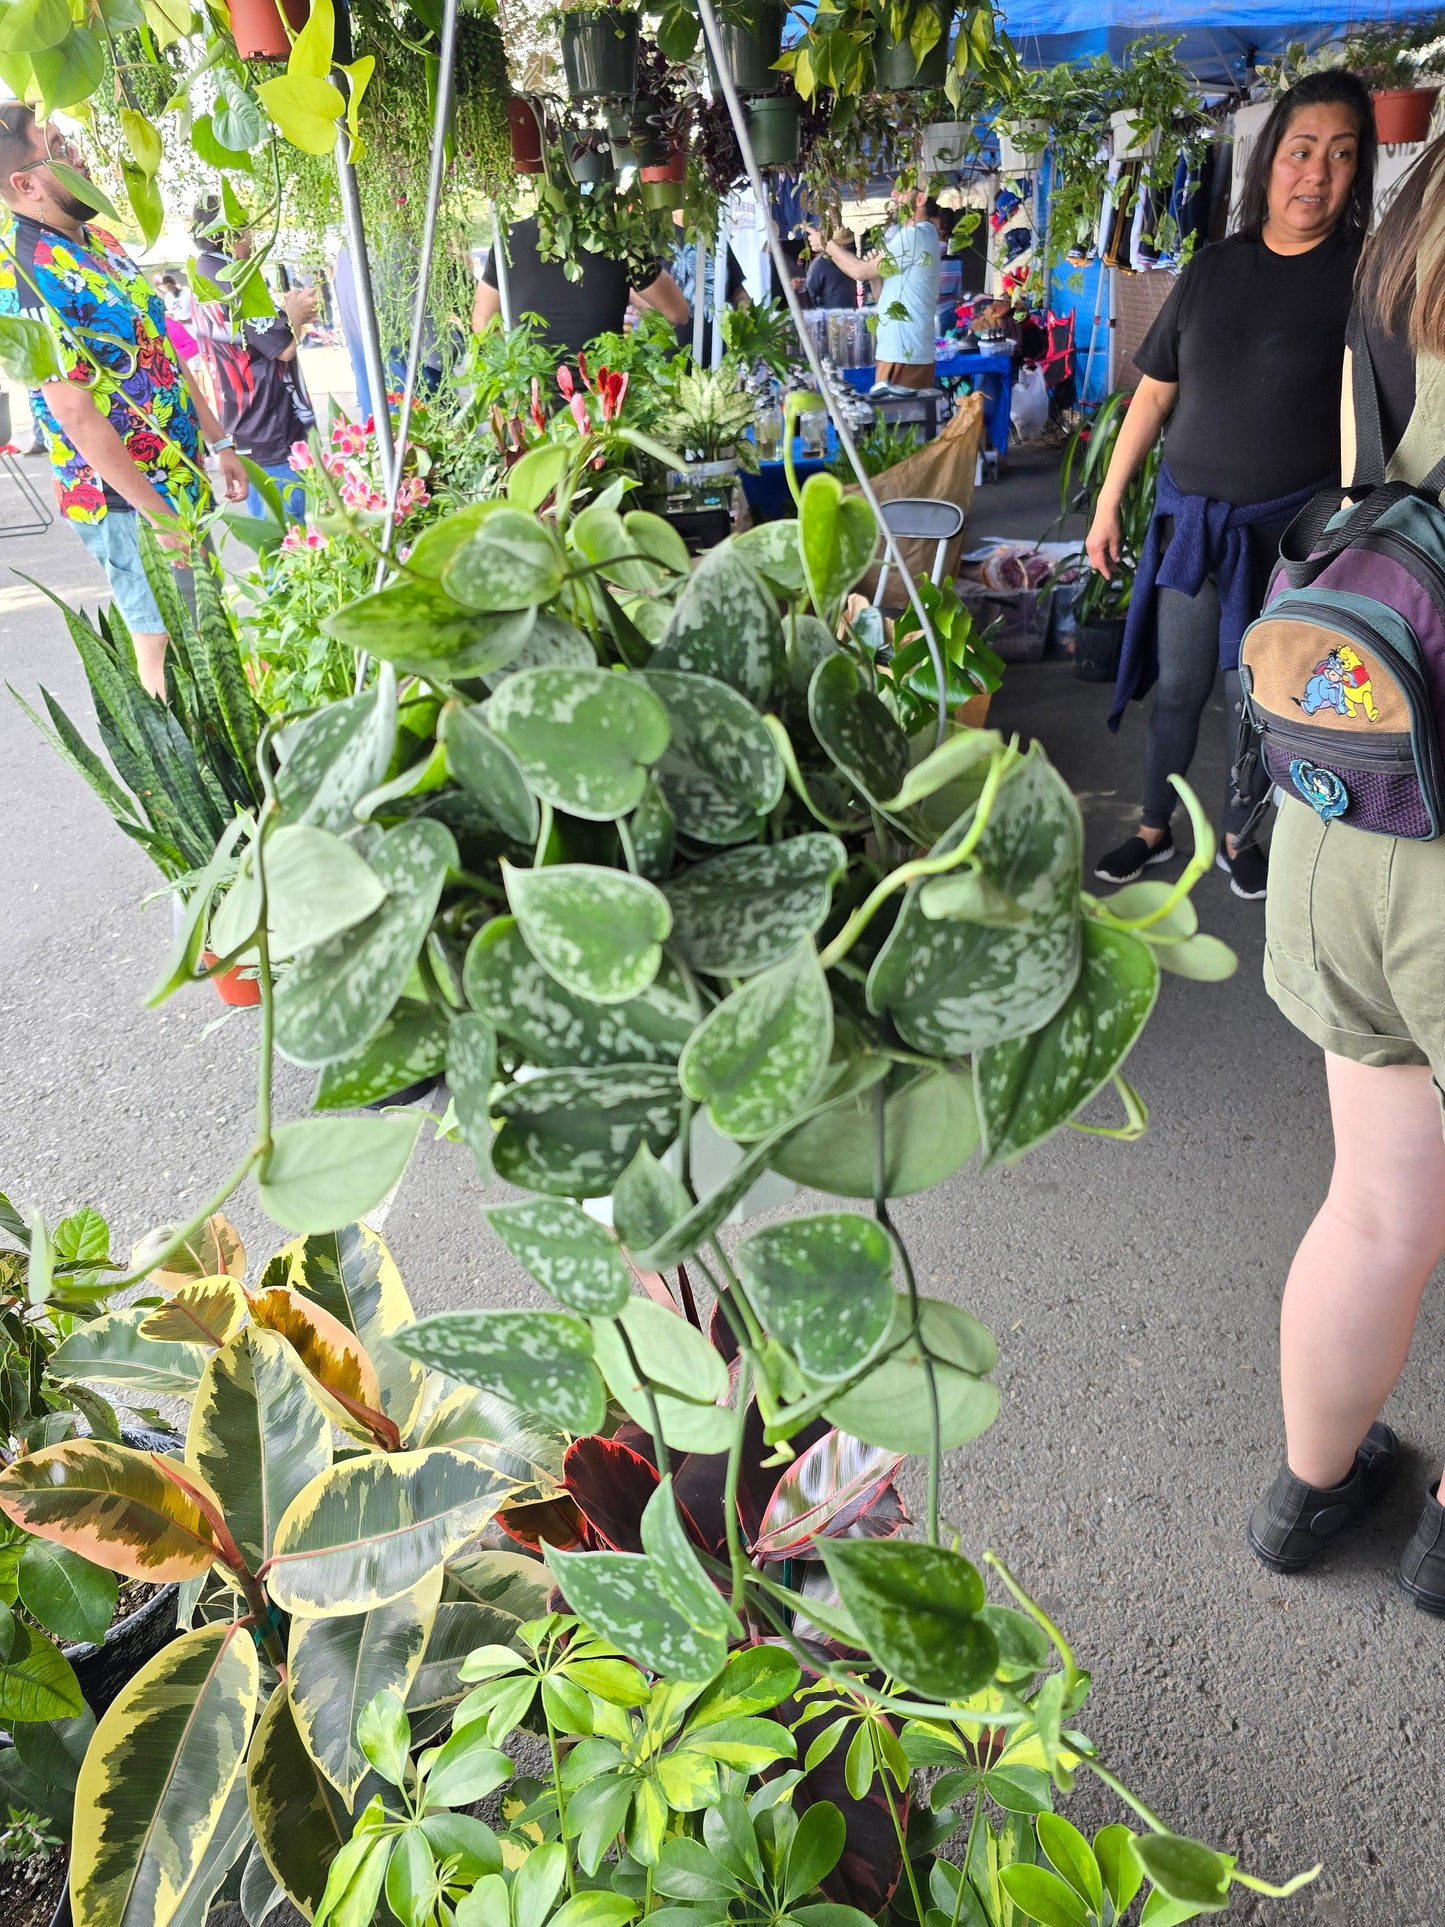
(896, 71)
(599, 52)
(773, 124)
(752, 40)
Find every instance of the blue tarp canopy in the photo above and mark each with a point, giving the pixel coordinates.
(1221, 42)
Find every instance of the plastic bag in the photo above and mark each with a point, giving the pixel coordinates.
(1030, 408)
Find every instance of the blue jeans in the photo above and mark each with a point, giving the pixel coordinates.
(114, 541)
(293, 495)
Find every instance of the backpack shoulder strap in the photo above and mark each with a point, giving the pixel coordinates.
(1369, 433)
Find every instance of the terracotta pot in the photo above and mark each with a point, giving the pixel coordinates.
(525, 125)
(674, 168)
(233, 987)
(257, 29)
(1402, 114)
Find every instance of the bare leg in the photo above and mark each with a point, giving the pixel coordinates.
(1357, 1279)
(150, 660)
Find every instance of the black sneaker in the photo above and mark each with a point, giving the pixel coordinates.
(1133, 858)
(1294, 1520)
(1422, 1564)
(1248, 871)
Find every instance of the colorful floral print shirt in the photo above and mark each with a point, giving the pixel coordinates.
(101, 300)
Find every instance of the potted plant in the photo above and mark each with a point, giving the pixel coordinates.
(259, 31)
(1022, 144)
(180, 769)
(707, 422)
(898, 65)
(1400, 66)
(1102, 604)
(751, 32)
(527, 128)
(774, 123)
(599, 50)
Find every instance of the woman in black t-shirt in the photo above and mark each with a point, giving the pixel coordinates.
(1241, 362)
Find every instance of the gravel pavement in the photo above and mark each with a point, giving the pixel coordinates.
(1133, 1290)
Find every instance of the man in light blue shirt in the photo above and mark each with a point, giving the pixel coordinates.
(904, 275)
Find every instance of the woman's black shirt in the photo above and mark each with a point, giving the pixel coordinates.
(1256, 343)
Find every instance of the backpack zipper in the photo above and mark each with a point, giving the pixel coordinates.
(1358, 752)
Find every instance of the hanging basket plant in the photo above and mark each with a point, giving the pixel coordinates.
(259, 31)
(752, 39)
(773, 126)
(897, 68)
(589, 158)
(599, 53)
(526, 127)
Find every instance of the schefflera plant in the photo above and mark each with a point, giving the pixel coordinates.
(321, 1520)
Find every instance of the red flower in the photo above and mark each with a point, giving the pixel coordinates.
(144, 445)
(88, 496)
(539, 420)
(611, 388)
(565, 381)
(582, 370)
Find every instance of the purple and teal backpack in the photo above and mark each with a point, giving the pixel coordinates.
(1344, 670)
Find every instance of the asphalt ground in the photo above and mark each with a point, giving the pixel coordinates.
(1133, 1289)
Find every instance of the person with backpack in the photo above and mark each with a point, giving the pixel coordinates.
(1345, 686)
(1251, 337)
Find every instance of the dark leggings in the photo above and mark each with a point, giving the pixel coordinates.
(1188, 629)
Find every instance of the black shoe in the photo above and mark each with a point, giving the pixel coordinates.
(1422, 1564)
(1294, 1520)
(1133, 858)
(1248, 871)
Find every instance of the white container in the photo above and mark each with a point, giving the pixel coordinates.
(946, 145)
(1130, 141)
(1021, 145)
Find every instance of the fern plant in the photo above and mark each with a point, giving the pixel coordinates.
(179, 770)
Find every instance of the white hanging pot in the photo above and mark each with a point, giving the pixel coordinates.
(1131, 142)
(1021, 145)
(946, 144)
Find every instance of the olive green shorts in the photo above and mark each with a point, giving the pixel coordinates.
(1355, 940)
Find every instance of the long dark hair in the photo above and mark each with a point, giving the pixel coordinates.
(1334, 88)
(1400, 297)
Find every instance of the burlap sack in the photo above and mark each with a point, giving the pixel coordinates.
(943, 469)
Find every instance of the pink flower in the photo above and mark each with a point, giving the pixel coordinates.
(300, 457)
(412, 494)
(565, 382)
(315, 539)
(579, 414)
(348, 438)
(582, 370)
(293, 539)
(539, 420)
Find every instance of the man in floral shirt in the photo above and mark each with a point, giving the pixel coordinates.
(123, 428)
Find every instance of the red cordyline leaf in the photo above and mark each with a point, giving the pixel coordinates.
(546, 1522)
(831, 1489)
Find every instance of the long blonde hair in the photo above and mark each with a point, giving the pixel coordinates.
(1392, 287)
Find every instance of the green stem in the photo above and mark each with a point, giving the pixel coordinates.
(1115, 1785)
(925, 866)
(629, 848)
(654, 1417)
(1035, 1611)
(180, 1238)
(968, 1852)
(737, 1554)
(561, 1799)
(882, 1771)
(930, 1376)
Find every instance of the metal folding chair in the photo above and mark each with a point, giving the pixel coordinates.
(924, 518)
(31, 501)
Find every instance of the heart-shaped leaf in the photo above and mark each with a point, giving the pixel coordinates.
(585, 738)
(572, 1133)
(597, 931)
(618, 1596)
(556, 1028)
(568, 1253)
(823, 1286)
(471, 1067)
(858, 733)
(325, 1172)
(918, 1608)
(338, 995)
(746, 909)
(725, 624)
(954, 988)
(648, 1201)
(488, 770)
(891, 1405)
(721, 772)
(423, 630)
(838, 534)
(540, 1360)
(1029, 1087)
(409, 1047)
(930, 1130)
(510, 561)
(333, 758)
(761, 1054)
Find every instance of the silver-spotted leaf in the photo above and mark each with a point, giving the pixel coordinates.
(539, 1360)
(760, 1056)
(859, 734)
(930, 1130)
(572, 1133)
(742, 911)
(585, 738)
(618, 1596)
(488, 770)
(725, 624)
(823, 1286)
(510, 561)
(597, 931)
(918, 1609)
(568, 1253)
(721, 773)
